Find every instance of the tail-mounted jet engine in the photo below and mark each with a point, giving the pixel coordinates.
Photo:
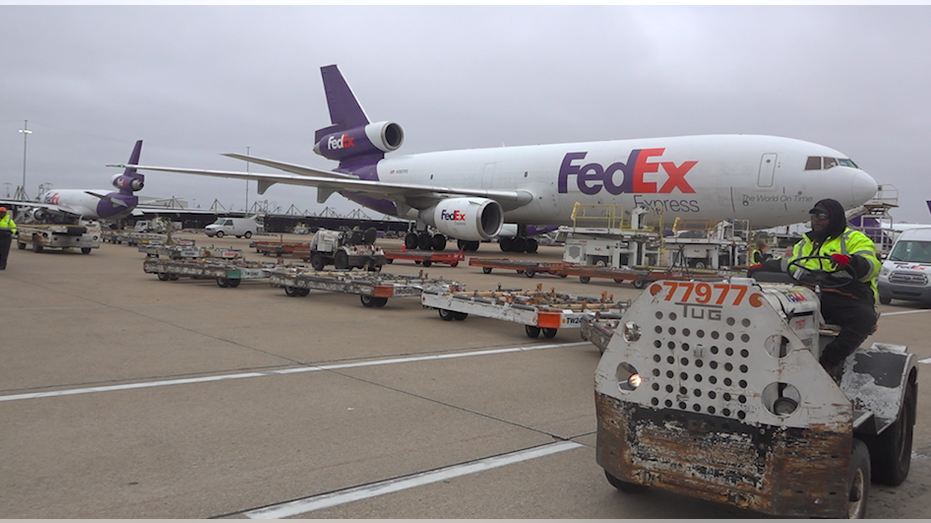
(374, 138)
(468, 219)
(121, 181)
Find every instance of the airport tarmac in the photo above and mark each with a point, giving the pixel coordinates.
(122, 396)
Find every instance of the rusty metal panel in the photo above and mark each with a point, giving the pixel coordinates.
(774, 470)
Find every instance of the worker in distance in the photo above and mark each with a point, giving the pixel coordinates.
(7, 230)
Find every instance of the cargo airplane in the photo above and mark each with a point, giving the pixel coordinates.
(90, 204)
(470, 194)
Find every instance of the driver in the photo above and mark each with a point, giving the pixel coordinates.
(852, 306)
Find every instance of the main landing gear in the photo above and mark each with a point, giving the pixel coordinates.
(425, 241)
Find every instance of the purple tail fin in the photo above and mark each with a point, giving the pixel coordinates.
(352, 140)
(131, 181)
(345, 111)
(929, 205)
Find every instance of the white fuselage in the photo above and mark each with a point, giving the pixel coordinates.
(762, 179)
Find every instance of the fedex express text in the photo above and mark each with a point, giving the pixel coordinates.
(629, 178)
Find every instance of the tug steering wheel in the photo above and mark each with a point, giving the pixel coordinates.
(832, 278)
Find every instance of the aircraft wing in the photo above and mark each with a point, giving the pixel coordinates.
(113, 201)
(414, 195)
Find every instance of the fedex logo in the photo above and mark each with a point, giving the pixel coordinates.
(591, 178)
(51, 198)
(342, 142)
(455, 216)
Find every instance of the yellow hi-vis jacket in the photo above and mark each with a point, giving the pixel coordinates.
(7, 223)
(852, 243)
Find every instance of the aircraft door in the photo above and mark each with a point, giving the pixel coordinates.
(767, 171)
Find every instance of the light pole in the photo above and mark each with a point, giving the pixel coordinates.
(26, 132)
(247, 182)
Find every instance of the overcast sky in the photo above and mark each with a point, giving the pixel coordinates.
(195, 82)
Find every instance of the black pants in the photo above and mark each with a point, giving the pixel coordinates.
(856, 319)
(6, 237)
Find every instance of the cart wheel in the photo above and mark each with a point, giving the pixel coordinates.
(858, 481)
(173, 277)
(36, 246)
(454, 264)
(530, 272)
(163, 276)
(585, 279)
(235, 283)
(303, 292)
(381, 302)
(85, 250)
(427, 262)
(563, 275)
(223, 282)
(367, 301)
(291, 291)
(891, 451)
(390, 260)
(316, 261)
(639, 283)
(624, 486)
(549, 332)
(486, 270)
(341, 260)
(445, 314)
(532, 331)
(459, 316)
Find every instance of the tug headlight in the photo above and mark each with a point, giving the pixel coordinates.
(628, 378)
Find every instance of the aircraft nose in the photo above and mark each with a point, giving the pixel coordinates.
(863, 187)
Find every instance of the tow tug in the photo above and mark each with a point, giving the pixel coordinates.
(714, 390)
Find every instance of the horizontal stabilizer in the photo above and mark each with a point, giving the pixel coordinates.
(416, 195)
(291, 168)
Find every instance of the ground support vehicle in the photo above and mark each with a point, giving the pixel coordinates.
(238, 227)
(279, 249)
(134, 238)
(639, 276)
(706, 244)
(227, 272)
(346, 250)
(187, 250)
(81, 235)
(714, 390)
(427, 258)
(538, 311)
(373, 289)
(527, 268)
(906, 272)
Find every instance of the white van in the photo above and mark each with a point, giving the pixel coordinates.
(906, 272)
(238, 227)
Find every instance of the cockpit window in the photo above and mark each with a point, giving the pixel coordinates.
(817, 163)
